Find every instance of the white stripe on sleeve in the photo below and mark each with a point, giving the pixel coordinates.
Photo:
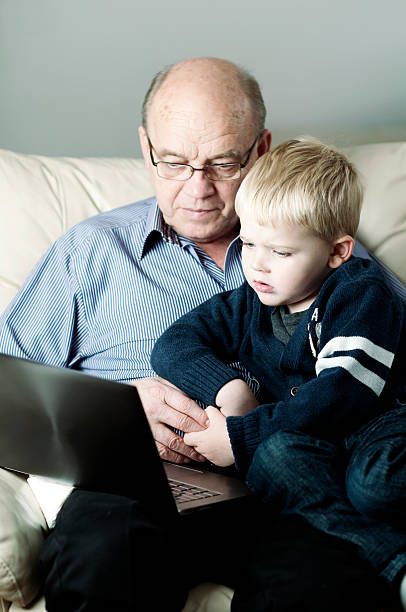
(344, 344)
(363, 374)
(358, 371)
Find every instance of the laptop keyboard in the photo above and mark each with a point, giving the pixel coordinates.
(183, 492)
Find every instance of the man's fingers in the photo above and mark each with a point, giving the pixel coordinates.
(172, 447)
(189, 413)
(162, 413)
(167, 407)
(168, 455)
(165, 403)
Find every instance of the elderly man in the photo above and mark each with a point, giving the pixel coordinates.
(97, 302)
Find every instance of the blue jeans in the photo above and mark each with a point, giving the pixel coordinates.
(356, 492)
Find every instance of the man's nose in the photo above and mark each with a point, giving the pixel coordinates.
(199, 186)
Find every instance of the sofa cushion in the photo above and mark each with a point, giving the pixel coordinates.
(23, 527)
(383, 219)
(41, 197)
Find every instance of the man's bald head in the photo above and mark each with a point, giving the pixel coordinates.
(214, 78)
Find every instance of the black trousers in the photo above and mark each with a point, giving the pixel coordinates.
(108, 553)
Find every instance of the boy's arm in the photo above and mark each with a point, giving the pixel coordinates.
(193, 352)
(359, 338)
(235, 398)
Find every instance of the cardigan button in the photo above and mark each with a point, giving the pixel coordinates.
(293, 390)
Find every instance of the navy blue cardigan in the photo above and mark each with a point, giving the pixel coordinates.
(344, 364)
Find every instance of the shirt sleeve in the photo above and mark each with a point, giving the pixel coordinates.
(353, 369)
(194, 351)
(45, 321)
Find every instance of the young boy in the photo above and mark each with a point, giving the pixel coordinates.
(324, 336)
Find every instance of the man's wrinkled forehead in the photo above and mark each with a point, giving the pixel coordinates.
(201, 108)
(201, 122)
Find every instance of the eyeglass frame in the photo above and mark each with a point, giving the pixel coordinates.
(204, 169)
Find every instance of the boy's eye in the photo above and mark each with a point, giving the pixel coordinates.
(282, 253)
(249, 245)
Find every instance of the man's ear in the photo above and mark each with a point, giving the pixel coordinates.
(264, 142)
(144, 145)
(341, 251)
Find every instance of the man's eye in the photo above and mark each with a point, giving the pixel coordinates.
(169, 165)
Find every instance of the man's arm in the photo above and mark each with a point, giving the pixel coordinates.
(47, 322)
(40, 322)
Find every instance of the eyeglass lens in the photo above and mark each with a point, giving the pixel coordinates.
(182, 172)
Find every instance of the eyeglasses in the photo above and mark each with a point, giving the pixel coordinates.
(214, 172)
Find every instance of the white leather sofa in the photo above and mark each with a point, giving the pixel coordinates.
(40, 198)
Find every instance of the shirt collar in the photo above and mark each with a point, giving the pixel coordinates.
(154, 224)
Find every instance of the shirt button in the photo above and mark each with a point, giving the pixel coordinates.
(293, 390)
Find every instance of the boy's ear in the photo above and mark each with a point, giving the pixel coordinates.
(341, 251)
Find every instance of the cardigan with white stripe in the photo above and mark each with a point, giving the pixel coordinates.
(344, 364)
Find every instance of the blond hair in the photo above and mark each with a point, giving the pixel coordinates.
(303, 182)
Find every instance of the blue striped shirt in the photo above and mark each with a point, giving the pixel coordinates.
(101, 296)
(104, 292)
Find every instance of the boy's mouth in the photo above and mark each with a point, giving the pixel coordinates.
(262, 287)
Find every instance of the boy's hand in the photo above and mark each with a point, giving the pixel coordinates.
(235, 398)
(213, 442)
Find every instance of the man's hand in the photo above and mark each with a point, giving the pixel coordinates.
(235, 398)
(166, 405)
(213, 442)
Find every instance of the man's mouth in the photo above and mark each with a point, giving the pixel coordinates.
(197, 212)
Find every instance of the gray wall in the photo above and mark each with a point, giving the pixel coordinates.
(74, 73)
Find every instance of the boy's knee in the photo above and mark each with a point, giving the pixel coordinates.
(276, 452)
(284, 446)
(375, 480)
(273, 464)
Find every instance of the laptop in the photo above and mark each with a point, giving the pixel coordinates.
(87, 432)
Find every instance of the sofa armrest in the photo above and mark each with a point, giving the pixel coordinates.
(22, 531)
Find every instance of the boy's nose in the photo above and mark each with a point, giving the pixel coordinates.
(261, 264)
